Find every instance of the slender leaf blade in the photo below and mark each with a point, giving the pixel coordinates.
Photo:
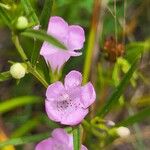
(17, 102)
(24, 140)
(135, 118)
(118, 91)
(5, 76)
(5, 17)
(43, 36)
(46, 13)
(30, 11)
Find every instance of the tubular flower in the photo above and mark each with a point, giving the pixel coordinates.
(60, 140)
(71, 36)
(68, 103)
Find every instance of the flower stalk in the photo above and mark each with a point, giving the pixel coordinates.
(32, 70)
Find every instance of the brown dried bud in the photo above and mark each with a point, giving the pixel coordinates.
(113, 48)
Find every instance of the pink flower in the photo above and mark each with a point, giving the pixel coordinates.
(68, 103)
(71, 36)
(60, 140)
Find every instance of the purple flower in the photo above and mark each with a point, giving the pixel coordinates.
(71, 36)
(60, 140)
(68, 103)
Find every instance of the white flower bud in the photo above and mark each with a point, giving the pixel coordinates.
(22, 23)
(110, 123)
(17, 71)
(123, 131)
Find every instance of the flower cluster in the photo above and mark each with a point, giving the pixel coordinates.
(67, 104)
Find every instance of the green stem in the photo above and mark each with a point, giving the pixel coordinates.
(31, 69)
(77, 138)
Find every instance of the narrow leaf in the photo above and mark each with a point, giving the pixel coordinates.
(24, 140)
(26, 127)
(46, 13)
(43, 36)
(17, 102)
(5, 17)
(136, 118)
(30, 11)
(76, 138)
(4, 76)
(118, 91)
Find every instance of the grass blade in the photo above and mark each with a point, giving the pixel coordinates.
(24, 140)
(46, 13)
(5, 76)
(30, 11)
(118, 91)
(17, 102)
(136, 118)
(4, 16)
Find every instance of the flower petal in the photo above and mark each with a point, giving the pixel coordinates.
(61, 135)
(57, 60)
(48, 49)
(76, 37)
(45, 145)
(58, 28)
(83, 147)
(88, 95)
(54, 90)
(75, 117)
(73, 79)
(51, 110)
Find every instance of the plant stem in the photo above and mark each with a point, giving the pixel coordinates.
(31, 69)
(77, 138)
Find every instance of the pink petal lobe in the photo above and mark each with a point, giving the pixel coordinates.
(45, 145)
(88, 95)
(57, 60)
(73, 79)
(83, 147)
(74, 117)
(61, 135)
(54, 90)
(51, 110)
(48, 49)
(76, 37)
(58, 28)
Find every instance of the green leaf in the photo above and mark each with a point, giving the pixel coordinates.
(136, 49)
(76, 138)
(43, 36)
(24, 140)
(5, 17)
(46, 13)
(26, 127)
(5, 76)
(30, 11)
(118, 91)
(17, 102)
(136, 118)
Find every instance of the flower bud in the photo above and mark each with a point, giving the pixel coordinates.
(17, 71)
(110, 123)
(123, 131)
(22, 23)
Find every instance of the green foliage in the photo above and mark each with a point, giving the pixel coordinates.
(5, 76)
(18, 102)
(135, 118)
(118, 91)
(24, 140)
